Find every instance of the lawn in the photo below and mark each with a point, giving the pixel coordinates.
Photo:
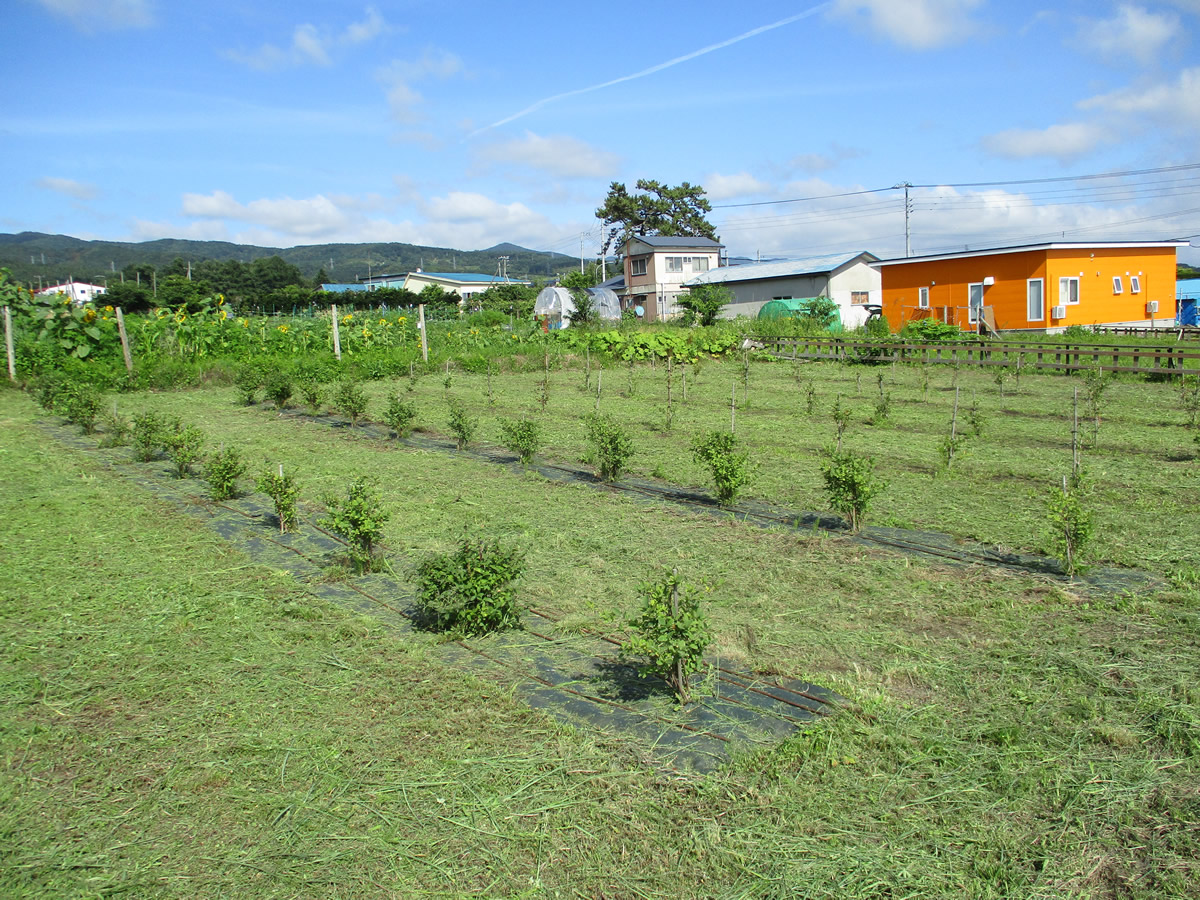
(178, 720)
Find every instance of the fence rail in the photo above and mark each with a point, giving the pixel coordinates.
(1070, 357)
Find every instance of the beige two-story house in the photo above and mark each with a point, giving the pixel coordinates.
(656, 268)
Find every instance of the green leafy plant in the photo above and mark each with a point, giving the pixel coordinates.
(359, 518)
(351, 400)
(222, 471)
(1189, 396)
(279, 388)
(522, 437)
(883, 409)
(1095, 384)
(115, 429)
(851, 484)
(284, 493)
(247, 378)
(670, 634)
(841, 419)
(470, 591)
(950, 448)
(312, 392)
(976, 418)
(731, 470)
(400, 415)
(462, 424)
(185, 447)
(1069, 523)
(80, 404)
(147, 435)
(611, 445)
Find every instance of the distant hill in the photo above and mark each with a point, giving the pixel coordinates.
(57, 257)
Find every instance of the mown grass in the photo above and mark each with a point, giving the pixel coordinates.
(178, 721)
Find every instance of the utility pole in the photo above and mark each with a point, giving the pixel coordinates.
(581, 253)
(907, 212)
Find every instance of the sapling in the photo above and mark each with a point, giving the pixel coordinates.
(470, 591)
(351, 400)
(611, 445)
(522, 437)
(730, 468)
(359, 518)
(185, 447)
(851, 484)
(222, 471)
(841, 419)
(80, 403)
(313, 394)
(247, 379)
(400, 415)
(462, 424)
(670, 634)
(975, 417)
(279, 388)
(116, 429)
(284, 492)
(147, 435)
(1095, 383)
(1069, 523)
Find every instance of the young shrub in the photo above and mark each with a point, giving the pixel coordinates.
(1095, 383)
(612, 447)
(883, 409)
(48, 389)
(351, 400)
(462, 424)
(247, 379)
(312, 392)
(279, 388)
(522, 437)
(1069, 523)
(670, 635)
(185, 447)
(222, 472)
(731, 471)
(976, 419)
(284, 492)
(851, 484)
(400, 415)
(147, 435)
(950, 448)
(470, 590)
(116, 429)
(359, 519)
(80, 404)
(841, 419)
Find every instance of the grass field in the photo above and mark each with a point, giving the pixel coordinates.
(180, 721)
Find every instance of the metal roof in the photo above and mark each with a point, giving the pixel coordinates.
(337, 288)
(665, 241)
(813, 265)
(468, 277)
(1187, 288)
(1025, 248)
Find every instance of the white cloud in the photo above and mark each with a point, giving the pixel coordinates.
(919, 24)
(1173, 104)
(560, 155)
(398, 76)
(68, 186)
(312, 45)
(742, 184)
(1063, 142)
(103, 15)
(1131, 33)
(146, 230)
(308, 217)
(822, 162)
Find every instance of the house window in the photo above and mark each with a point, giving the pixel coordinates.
(699, 263)
(923, 298)
(638, 266)
(1135, 284)
(674, 263)
(1117, 284)
(974, 301)
(860, 298)
(1035, 302)
(1068, 292)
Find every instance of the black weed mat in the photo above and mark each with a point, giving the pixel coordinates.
(931, 545)
(575, 678)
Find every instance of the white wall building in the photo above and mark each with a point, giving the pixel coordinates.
(845, 278)
(80, 292)
(656, 268)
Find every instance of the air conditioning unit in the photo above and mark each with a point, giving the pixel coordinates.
(1058, 312)
(1151, 307)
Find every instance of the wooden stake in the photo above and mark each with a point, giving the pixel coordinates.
(670, 410)
(8, 344)
(1075, 437)
(421, 327)
(124, 340)
(337, 337)
(680, 685)
(587, 384)
(733, 409)
(599, 378)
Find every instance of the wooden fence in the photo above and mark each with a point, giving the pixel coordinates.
(1072, 357)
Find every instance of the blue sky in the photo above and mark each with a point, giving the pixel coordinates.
(464, 124)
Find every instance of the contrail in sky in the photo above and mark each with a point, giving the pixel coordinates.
(658, 68)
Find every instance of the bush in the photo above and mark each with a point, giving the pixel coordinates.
(80, 404)
(359, 519)
(731, 470)
(1069, 523)
(877, 328)
(400, 415)
(247, 379)
(851, 484)
(222, 472)
(284, 492)
(470, 590)
(350, 399)
(612, 446)
(462, 424)
(147, 435)
(279, 388)
(670, 635)
(929, 330)
(522, 437)
(185, 447)
(116, 429)
(313, 394)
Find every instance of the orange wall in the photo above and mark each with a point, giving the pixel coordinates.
(947, 280)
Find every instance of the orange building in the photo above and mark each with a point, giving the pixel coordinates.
(1036, 287)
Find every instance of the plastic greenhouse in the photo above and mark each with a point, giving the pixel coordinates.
(556, 305)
